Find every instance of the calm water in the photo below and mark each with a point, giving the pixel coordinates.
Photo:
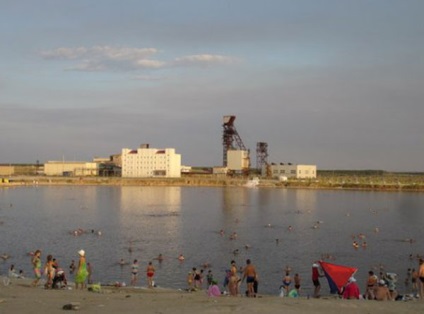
(174, 220)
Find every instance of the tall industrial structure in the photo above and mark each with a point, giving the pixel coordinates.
(233, 146)
(261, 155)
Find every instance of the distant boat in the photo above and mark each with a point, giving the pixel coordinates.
(252, 183)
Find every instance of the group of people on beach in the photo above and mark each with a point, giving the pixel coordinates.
(150, 273)
(232, 280)
(382, 288)
(55, 275)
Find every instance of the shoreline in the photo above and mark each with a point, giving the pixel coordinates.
(19, 297)
(321, 183)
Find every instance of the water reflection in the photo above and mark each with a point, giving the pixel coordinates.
(143, 222)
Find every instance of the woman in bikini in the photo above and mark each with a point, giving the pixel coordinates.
(36, 265)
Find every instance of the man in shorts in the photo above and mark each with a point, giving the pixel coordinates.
(249, 274)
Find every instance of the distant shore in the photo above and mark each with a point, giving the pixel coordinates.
(19, 297)
(413, 183)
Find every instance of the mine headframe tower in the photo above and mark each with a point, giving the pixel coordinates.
(229, 136)
(261, 155)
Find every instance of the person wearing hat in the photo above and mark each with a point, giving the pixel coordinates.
(351, 290)
(315, 279)
(382, 292)
(82, 273)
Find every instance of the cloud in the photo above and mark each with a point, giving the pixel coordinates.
(204, 59)
(103, 58)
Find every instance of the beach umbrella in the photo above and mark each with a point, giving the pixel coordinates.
(337, 275)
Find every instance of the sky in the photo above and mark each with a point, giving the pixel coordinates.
(335, 83)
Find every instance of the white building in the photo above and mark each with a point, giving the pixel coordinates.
(238, 160)
(291, 171)
(146, 162)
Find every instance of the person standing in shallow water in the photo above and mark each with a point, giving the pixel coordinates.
(134, 272)
(150, 272)
(82, 273)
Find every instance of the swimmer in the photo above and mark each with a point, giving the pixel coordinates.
(247, 246)
(236, 251)
(290, 228)
(376, 229)
(159, 258)
(5, 256)
(181, 257)
(268, 226)
(221, 232)
(364, 244)
(122, 262)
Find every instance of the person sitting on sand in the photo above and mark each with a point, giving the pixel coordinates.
(351, 290)
(213, 290)
(382, 293)
(12, 272)
(294, 293)
(371, 286)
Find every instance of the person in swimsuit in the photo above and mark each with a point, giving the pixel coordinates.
(287, 282)
(371, 286)
(233, 280)
(150, 272)
(249, 274)
(134, 272)
(49, 271)
(36, 265)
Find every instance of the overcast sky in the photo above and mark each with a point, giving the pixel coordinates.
(335, 83)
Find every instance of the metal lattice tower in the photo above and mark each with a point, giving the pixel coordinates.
(261, 155)
(229, 136)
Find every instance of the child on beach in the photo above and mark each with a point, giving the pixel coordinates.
(190, 280)
(49, 271)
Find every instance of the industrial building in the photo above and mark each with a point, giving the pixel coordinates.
(289, 170)
(146, 162)
(71, 168)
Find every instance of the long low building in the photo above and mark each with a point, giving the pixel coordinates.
(71, 168)
(290, 171)
(146, 162)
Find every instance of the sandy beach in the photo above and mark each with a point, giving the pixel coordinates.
(19, 297)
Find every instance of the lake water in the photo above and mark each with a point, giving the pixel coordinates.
(187, 220)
